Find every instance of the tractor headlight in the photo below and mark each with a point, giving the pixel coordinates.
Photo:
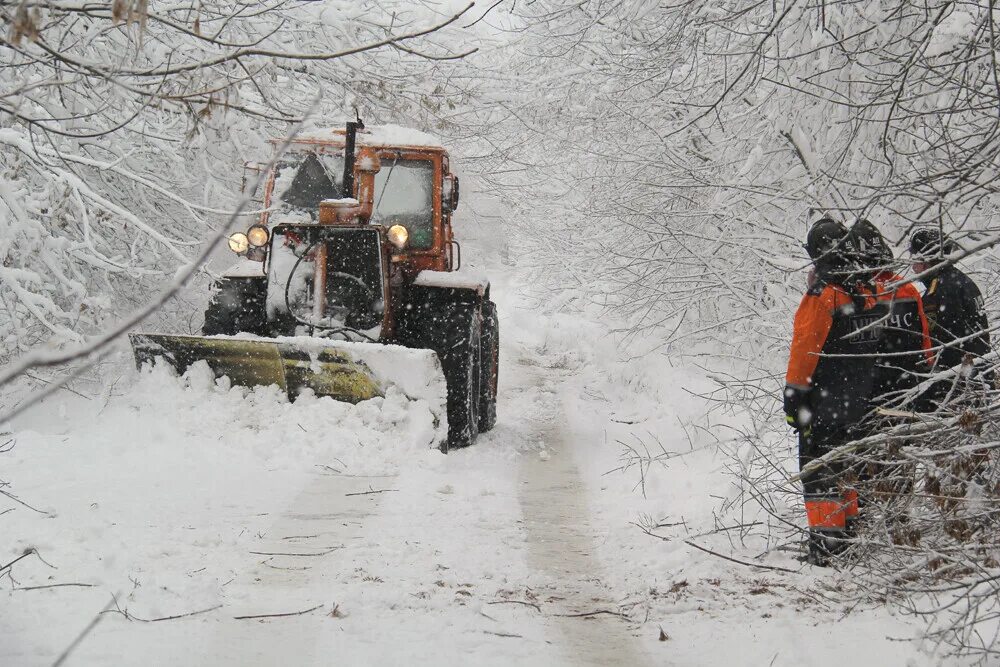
(257, 236)
(398, 236)
(239, 243)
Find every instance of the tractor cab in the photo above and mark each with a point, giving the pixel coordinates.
(414, 193)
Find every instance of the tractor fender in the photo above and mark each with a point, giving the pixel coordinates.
(455, 282)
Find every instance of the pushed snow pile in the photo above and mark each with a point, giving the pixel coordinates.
(416, 372)
(372, 437)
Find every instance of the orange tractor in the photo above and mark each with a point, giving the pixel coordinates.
(350, 282)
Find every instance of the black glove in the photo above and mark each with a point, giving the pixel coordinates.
(798, 413)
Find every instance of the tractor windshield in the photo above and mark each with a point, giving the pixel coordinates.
(404, 191)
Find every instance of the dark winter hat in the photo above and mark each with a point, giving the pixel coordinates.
(825, 236)
(928, 243)
(828, 245)
(872, 248)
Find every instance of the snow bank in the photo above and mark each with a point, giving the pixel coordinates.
(371, 437)
(161, 490)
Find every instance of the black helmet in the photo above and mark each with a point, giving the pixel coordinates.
(829, 247)
(872, 249)
(928, 243)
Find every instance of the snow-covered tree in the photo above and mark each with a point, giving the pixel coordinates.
(124, 126)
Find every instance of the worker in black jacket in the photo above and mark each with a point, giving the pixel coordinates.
(954, 306)
(905, 345)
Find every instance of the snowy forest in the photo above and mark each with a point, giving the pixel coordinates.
(638, 179)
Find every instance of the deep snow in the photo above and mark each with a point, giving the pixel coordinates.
(181, 495)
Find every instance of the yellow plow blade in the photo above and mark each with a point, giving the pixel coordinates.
(320, 365)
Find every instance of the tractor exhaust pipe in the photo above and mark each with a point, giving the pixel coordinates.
(351, 139)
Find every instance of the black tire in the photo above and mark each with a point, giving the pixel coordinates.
(237, 306)
(490, 371)
(460, 360)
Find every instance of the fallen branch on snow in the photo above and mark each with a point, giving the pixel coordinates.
(132, 617)
(368, 493)
(282, 553)
(588, 614)
(526, 604)
(27, 552)
(292, 613)
(38, 588)
(18, 500)
(738, 561)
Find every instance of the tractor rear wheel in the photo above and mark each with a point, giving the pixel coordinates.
(460, 360)
(490, 371)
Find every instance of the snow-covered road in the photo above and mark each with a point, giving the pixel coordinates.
(203, 525)
(485, 555)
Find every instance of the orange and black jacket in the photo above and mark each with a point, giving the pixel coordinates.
(834, 343)
(905, 347)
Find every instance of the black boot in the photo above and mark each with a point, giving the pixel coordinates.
(824, 546)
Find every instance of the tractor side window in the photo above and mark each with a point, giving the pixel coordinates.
(404, 191)
(304, 184)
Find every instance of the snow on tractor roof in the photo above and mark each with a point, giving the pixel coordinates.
(374, 135)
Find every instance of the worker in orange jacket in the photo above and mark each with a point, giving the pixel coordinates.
(829, 380)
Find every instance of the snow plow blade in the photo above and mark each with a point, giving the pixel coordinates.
(350, 372)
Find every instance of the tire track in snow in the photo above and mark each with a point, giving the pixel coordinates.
(561, 539)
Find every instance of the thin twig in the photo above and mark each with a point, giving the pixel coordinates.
(284, 553)
(594, 613)
(368, 493)
(18, 500)
(64, 387)
(176, 616)
(526, 604)
(27, 552)
(93, 623)
(736, 560)
(38, 588)
(293, 613)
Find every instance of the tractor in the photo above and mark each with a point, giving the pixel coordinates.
(350, 281)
